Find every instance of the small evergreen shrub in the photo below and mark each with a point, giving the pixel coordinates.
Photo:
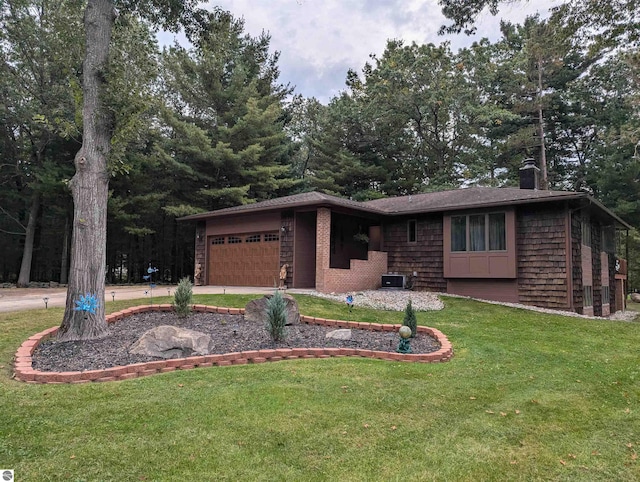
(182, 297)
(410, 319)
(276, 316)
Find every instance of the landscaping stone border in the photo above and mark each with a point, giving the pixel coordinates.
(23, 369)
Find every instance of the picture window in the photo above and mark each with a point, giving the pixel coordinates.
(479, 232)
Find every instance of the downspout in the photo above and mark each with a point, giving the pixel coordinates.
(569, 254)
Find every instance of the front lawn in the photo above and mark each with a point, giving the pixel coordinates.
(527, 396)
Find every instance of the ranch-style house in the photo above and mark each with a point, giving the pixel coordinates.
(553, 249)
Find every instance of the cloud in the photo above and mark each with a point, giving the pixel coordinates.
(320, 41)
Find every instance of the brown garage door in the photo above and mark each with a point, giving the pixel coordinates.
(244, 259)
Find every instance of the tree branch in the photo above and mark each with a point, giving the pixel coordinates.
(12, 233)
(6, 213)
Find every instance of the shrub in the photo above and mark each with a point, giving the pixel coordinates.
(276, 316)
(182, 297)
(410, 319)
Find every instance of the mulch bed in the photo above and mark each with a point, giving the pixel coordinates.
(229, 333)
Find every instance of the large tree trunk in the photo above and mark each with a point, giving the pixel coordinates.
(544, 181)
(90, 183)
(27, 253)
(64, 262)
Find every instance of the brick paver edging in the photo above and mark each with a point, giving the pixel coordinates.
(23, 369)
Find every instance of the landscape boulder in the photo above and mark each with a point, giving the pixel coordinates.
(256, 309)
(341, 334)
(171, 342)
(635, 297)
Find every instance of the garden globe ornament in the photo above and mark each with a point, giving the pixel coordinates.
(405, 334)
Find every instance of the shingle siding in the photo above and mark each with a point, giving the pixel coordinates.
(424, 257)
(541, 262)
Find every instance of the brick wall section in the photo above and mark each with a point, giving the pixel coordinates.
(542, 266)
(362, 275)
(323, 248)
(424, 257)
(286, 245)
(200, 272)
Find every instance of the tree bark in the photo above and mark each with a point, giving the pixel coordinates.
(64, 262)
(544, 181)
(89, 185)
(27, 253)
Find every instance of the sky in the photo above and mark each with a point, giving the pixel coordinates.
(319, 41)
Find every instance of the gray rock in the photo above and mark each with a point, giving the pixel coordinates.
(635, 297)
(170, 342)
(342, 334)
(256, 309)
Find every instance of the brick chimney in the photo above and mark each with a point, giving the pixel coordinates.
(529, 175)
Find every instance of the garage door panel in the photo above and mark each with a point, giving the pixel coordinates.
(244, 263)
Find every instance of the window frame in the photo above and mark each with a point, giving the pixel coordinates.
(412, 229)
(606, 294)
(488, 264)
(585, 232)
(487, 232)
(587, 296)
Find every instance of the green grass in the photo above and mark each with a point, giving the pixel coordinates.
(633, 306)
(527, 396)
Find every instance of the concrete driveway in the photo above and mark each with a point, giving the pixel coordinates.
(16, 299)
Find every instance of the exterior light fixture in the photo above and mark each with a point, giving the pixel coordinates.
(46, 302)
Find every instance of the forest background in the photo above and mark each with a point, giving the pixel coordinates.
(209, 125)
